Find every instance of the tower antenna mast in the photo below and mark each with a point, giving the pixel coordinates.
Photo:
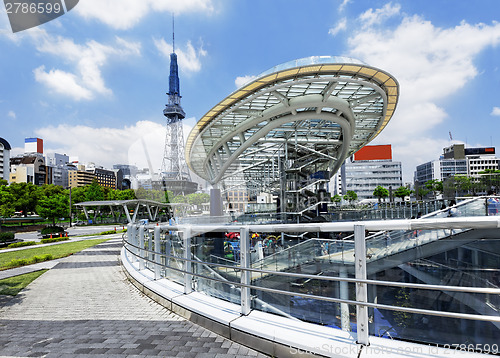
(175, 174)
(173, 33)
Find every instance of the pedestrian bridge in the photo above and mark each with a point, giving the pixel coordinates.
(393, 286)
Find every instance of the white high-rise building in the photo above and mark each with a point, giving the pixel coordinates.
(4, 159)
(370, 167)
(457, 160)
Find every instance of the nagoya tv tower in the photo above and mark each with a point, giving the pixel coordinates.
(174, 172)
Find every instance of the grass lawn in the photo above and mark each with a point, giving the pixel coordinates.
(11, 286)
(57, 251)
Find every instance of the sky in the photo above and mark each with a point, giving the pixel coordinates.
(92, 83)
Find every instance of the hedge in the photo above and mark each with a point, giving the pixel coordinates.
(52, 230)
(54, 239)
(32, 260)
(6, 236)
(21, 244)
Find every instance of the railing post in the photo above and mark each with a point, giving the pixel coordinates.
(245, 275)
(361, 289)
(168, 251)
(142, 263)
(186, 237)
(157, 256)
(130, 240)
(345, 323)
(149, 254)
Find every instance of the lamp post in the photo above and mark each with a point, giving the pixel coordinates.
(69, 206)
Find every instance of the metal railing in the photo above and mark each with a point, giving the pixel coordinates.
(183, 253)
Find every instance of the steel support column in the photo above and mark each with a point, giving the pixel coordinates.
(188, 277)
(245, 275)
(142, 262)
(361, 289)
(157, 256)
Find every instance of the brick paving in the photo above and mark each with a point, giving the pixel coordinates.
(85, 306)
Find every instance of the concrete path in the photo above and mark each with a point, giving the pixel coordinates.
(85, 307)
(28, 269)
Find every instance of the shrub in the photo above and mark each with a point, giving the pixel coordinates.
(17, 262)
(6, 236)
(108, 232)
(52, 230)
(42, 258)
(54, 239)
(32, 260)
(21, 244)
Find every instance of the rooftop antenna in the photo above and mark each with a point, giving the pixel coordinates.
(173, 33)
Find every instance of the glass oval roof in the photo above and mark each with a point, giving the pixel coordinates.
(312, 60)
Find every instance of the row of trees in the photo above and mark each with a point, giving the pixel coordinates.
(380, 192)
(461, 185)
(52, 201)
(487, 183)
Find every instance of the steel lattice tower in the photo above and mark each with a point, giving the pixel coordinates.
(174, 171)
(174, 165)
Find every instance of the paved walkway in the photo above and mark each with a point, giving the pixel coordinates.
(85, 306)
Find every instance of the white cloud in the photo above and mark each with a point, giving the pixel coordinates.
(87, 60)
(430, 63)
(62, 82)
(341, 26)
(343, 5)
(107, 146)
(189, 58)
(12, 114)
(495, 111)
(243, 80)
(371, 17)
(125, 14)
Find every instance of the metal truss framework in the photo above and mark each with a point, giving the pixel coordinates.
(115, 206)
(305, 115)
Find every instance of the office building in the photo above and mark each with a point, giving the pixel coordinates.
(237, 201)
(4, 159)
(57, 169)
(33, 145)
(457, 160)
(28, 168)
(79, 178)
(105, 178)
(127, 176)
(370, 167)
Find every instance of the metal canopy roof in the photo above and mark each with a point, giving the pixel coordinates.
(122, 202)
(326, 107)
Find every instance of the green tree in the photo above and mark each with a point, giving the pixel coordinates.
(380, 192)
(435, 186)
(180, 199)
(127, 194)
(25, 195)
(94, 192)
(168, 196)
(51, 189)
(422, 192)
(350, 196)
(197, 199)
(402, 192)
(6, 202)
(489, 180)
(336, 199)
(52, 207)
(457, 185)
(77, 195)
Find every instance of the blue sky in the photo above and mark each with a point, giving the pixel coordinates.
(92, 83)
